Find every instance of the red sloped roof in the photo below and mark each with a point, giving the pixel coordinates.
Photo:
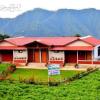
(45, 40)
(11, 48)
(91, 40)
(87, 48)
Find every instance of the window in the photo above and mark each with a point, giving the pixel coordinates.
(20, 51)
(56, 51)
(98, 51)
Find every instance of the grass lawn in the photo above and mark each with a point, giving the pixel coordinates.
(39, 75)
(86, 88)
(3, 66)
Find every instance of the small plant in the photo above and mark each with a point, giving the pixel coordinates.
(76, 66)
(89, 69)
(30, 80)
(11, 68)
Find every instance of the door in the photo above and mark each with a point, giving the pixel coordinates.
(37, 55)
(44, 56)
(30, 55)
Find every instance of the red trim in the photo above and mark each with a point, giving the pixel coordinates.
(89, 62)
(96, 62)
(12, 48)
(85, 62)
(20, 61)
(87, 48)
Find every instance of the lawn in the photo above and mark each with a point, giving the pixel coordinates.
(40, 75)
(4, 66)
(86, 88)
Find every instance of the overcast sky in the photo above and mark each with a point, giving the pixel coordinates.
(12, 8)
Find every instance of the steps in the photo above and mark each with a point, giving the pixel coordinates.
(36, 65)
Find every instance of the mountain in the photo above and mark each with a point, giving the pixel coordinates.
(63, 22)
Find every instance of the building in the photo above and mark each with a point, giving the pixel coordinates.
(23, 50)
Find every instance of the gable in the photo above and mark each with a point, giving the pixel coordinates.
(5, 43)
(79, 43)
(36, 44)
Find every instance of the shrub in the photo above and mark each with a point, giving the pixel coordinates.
(3, 75)
(89, 69)
(11, 68)
(30, 80)
(76, 66)
(54, 83)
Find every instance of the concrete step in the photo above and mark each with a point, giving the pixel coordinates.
(37, 64)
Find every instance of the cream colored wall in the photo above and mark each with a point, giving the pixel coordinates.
(4, 43)
(19, 54)
(79, 43)
(58, 55)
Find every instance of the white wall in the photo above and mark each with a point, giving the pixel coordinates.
(56, 55)
(20, 54)
(96, 57)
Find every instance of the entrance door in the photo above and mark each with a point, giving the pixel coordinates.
(71, 56)
(44, 56)
(30, 55)
(37, 56)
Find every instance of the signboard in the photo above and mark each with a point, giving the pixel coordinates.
(53, 69)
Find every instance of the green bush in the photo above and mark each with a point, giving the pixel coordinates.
(6, 70)
(89, 69)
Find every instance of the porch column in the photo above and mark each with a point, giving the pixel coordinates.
(13, 56)
(92, 56)
(0, 57)
(40, 55)
(77, 56)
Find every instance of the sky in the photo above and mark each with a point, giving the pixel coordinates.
(12, 8)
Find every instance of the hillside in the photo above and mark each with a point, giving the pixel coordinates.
(63, 22)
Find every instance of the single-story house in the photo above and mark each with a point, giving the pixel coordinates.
(23, 50)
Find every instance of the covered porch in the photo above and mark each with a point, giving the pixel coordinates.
(79, 57)
(37, 55)
(37, 52)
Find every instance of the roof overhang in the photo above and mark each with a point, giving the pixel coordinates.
(12, 48)
(74, 48)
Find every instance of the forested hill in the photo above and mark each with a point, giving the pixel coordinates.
(63, 22)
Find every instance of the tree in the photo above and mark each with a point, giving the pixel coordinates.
(3, 36)
(77, 35)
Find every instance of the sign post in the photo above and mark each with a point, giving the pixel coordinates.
(53, 69)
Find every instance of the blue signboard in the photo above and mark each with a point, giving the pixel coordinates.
(53, 69)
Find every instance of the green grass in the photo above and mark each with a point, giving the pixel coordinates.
(3, 66)
(86, 88)
(39, 75)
